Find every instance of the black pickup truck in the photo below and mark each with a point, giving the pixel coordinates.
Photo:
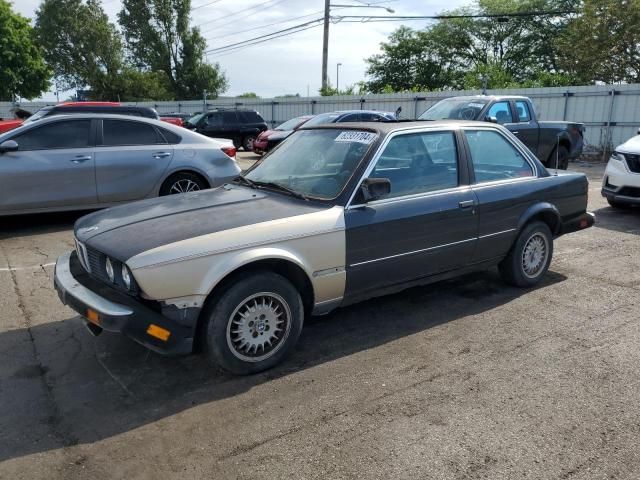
(549, 141)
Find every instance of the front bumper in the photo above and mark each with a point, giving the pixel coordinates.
(260, 146)
(621, 184)
(581, 222)
(115, 311)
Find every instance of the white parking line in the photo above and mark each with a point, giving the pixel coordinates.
(34, 267)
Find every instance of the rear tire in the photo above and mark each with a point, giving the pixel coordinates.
(563, 158)
(254, 324)
(529, 257)
(182, 182)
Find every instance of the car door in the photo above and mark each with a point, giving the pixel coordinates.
(502, 177)
(526, 128)
(53, 167)
(131, 157)
(425, 226)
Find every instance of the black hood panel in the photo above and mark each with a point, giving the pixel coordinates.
(124, 231)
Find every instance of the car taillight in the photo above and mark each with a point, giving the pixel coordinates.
(229, 151)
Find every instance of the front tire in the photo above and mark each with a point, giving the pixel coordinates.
(254, 324)
(529, 257)
(247, 143)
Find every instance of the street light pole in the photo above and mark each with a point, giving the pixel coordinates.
(325, 45)
(338, 65)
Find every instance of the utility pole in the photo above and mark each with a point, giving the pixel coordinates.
(204, 101)
(325, 45)
(338, 65)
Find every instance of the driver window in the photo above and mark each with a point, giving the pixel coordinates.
(419, 163)
(501, 112)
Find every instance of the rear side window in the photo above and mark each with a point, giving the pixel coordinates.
(66, 134)
(121, 132)
(501, 112)
(250, 117)
(523, 111)
(353, 117)
(495, 158)
(170, 137)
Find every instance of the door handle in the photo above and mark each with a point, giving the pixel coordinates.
(515, 132)
(81, 159)
(467, 204)
(161, 154)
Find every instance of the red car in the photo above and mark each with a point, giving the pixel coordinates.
(6, 125)
(268, 139)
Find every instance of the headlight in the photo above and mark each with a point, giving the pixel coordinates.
(126, 276)
(108, 266)
(617, 156)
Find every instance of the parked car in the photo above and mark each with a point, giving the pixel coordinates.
(269, 139)
(6, 125)
(621, 182)
(88, 161)
(551, 141)
(250, 260)
(177, 118)
(352, 116)
(240, 126)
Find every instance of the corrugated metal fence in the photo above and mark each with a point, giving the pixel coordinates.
(610, 112)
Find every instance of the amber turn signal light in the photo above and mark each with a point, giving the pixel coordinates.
(158, 332)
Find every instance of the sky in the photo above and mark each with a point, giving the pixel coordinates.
(291, 64)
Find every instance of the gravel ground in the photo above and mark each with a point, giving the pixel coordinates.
(465, 379)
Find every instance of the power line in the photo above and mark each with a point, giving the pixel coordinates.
(289, 29)
(205, 5)
(233, 14)
(232, 50)
(451, 17)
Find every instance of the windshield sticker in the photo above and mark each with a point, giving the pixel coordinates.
(476, 105)
(360, 137)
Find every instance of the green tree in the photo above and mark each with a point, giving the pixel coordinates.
(248, 95)
(80, 44)
(455, 53)
(85, 51)
(23, 71)
(158, 37)
(603, 43)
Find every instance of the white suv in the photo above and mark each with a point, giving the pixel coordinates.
(621, 182)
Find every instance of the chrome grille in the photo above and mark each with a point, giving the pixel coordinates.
(82, 256)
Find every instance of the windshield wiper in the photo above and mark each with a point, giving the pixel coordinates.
(246, 181)
(281, 188)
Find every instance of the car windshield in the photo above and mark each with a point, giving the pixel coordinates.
(314, 163)
(456, 109)
(38, 115)
(289, 124)
(322, 119)
(195, 119)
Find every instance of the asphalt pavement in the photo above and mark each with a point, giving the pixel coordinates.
(465, 379)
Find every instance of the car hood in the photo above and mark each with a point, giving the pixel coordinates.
(266, 134)
(630, 146)
(124, 231)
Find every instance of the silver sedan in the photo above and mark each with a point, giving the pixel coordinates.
(88, 161)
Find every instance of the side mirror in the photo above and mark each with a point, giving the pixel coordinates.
(8, 146)
(375, 188)
(490, 119)
(639, 131)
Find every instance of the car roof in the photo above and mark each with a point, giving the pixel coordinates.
(388, 127)
(488, 97)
